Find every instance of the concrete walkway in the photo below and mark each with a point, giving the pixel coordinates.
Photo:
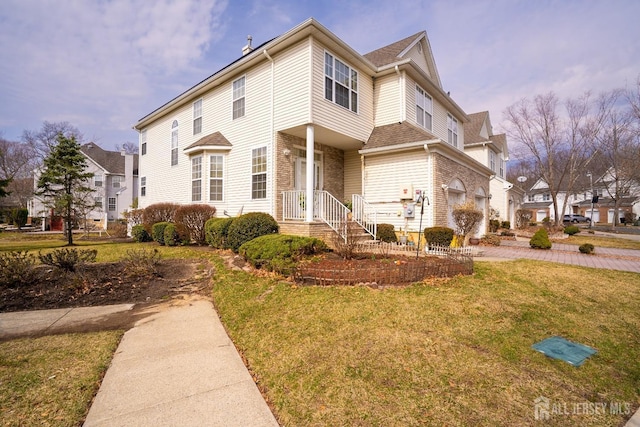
(178, 367)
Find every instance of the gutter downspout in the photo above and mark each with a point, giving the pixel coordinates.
(272, 136)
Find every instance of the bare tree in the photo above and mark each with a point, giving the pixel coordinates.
(16, 167)
(558, 148)
(128, 147)
(45, 139)
(619, 144)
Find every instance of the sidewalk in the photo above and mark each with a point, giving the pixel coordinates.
(607, 258)
(179, 367)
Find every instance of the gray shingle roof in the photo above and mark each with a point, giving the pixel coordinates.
(215, 139)
(110, 161)
(395, 134)
(389, 54)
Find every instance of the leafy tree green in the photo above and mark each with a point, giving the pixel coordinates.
(63, 183)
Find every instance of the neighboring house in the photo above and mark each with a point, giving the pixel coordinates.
(302, 123)
(115, 184)
(538, 201)
(491, 150)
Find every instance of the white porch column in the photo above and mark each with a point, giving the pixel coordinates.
(310, 173)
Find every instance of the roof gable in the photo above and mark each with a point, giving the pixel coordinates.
(415, 47)
(396, 134)
(112, 162)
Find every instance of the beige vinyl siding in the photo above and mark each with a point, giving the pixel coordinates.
(387, 101)
(386, 174)
(352, 174)
(292, 86)
(333, 116)
(419, 58)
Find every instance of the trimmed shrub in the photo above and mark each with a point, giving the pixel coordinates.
(280, 252)
(494, 224)
(441, 236)
(386, 233)
(216, 230)
(159, 212)
(171, 235)
(249, 226)
(190, 221)
(491, 240)
(16, 268)
(540, 240)
(571, 230)
(587, 248)
(68, 259)
(140, 234)
(506, 224)
(157, 232)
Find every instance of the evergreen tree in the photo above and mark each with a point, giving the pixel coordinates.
(64, 183)
(4, 183)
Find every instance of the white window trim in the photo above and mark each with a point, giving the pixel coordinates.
(222, 179)
(143, 186)
(115, 206)
(175, 129)
(351, 91)
(196, 179)
(266, 175)
(243, 97)
(143, 142)
(424, 110)
(197, 115)
(454, 140)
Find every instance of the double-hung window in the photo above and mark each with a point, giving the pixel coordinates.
(216, 178)
(111, 202)
(238, 98)
(97, 180)
(501, 167)
(143, 142)
(452, 130)
(174, 143)
(259, 173)
(116, 181)
(196, 179)
(340, 83)
(424, 109)
(143, 186)
(492, 160)
(197, 117)
(98, 202)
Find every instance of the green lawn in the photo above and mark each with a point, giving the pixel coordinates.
(452, 352)
(601, 241)
(52, 380)
(446, 352)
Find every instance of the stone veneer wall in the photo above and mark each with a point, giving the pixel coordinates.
(446, 170)
(333, 168)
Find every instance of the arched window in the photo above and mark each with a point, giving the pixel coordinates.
(174, 143)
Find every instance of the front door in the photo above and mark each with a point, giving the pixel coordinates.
(300, 181)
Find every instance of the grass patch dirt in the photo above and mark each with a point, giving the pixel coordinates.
(446, 352)
(52, 380)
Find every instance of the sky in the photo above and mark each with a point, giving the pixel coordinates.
(101, 65)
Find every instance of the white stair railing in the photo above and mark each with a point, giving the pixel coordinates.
(333, 212)
(364, 214)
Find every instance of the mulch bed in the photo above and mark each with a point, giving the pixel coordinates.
(103, 284)
(398, 270)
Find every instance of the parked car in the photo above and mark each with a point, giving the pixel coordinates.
(575, 219)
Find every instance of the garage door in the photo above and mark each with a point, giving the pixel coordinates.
(594, 215)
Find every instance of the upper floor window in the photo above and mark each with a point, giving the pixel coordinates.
(546, 197)
(216, 178)
(196, 179)
(97, 179)
(143, 186)
(424, 109)
(259, 173)
(197, 117)
(502, 167)
(143, 142)
(492, 160)
(116, 181)
(452, 130)
(531, 198)
(238, 98)
(340, 83)
(98, 202)
(174, 143)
